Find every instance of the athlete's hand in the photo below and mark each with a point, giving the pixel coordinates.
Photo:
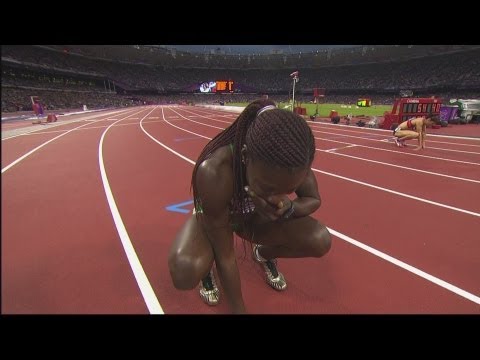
(262, 207)
(417, 148)
(274, 207)
(281, 202)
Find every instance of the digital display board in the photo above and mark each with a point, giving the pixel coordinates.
(418, 107)
(364, 102)
(219, 86)
(224, 85)
(407, 108)
(208, 87)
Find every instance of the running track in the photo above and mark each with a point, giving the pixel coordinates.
(86, 230)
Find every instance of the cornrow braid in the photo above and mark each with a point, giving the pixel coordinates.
(281, 138)
(235, 135)
(275, 136)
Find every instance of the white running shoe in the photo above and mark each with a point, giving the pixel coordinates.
(209, 290)
(274, 278)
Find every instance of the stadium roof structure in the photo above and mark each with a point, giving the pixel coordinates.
(254, 49)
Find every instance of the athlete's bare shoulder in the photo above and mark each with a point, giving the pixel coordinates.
(418, 122)
(215, 177)
(221, 158)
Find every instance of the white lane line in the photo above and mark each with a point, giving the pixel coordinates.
(197, 122)
(398, 166)
(339, 148)
(360, 182)
(390, 131)
(53, 125)
(348, 143)
(452, 288)
(165, 146)
(348, 146)
(40, 146)
(206, 117)
(377, 140)
(400, 152)
(465, 294)
(143, 283)
(399, 193)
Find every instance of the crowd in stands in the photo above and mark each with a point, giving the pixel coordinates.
(17, 99)
(168, 56)
(73, 75)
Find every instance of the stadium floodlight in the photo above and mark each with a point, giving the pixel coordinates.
(294, 76)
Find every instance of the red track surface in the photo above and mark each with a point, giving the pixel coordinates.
(62, 251)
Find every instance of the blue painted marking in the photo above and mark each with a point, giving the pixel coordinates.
(178, 207)
(187, 138)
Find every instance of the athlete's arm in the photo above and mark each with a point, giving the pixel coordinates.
(308, 198)
(419, 129)
(424, 135)
(214, 183)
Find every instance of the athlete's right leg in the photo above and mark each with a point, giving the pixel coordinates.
(402, 135)
(293, 238)
(191, 256)
(395, 137)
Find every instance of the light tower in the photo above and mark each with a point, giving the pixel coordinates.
(294, 77)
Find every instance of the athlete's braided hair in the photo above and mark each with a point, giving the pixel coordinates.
(275, 136)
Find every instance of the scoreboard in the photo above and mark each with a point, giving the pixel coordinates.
(419, 107)
(219, 86)
(364, 103)
(225, 86)
(407, 108)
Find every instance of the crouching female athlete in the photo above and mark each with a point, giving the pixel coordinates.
(414, 129)
(240, 185)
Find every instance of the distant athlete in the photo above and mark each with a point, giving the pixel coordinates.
(414, 129)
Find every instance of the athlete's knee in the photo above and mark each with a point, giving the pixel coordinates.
(184, 271)
(321, 240)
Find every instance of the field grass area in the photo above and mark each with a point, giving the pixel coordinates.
(324, 109)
